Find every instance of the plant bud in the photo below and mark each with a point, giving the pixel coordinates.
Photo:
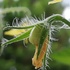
(35, 34)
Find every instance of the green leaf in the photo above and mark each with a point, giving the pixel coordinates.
(57, 17)
(43, 36)
(25, 10)
(44, 62)
(18, 38)
(18, 27)
(62, 56)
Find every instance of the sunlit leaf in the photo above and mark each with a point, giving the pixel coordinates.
(54, 1)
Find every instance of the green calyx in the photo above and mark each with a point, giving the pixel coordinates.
(35, 34)
(38, 36)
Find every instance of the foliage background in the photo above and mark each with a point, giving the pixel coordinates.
(17, 56)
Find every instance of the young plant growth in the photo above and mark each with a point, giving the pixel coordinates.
(39, 33)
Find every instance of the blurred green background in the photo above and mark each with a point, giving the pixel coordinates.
(17, 56)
